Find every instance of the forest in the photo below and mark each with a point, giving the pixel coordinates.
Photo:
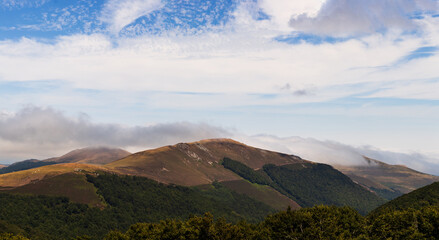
(319, 222)
(140, 208)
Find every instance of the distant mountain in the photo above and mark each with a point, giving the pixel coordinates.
(24, 165)
(388, 181)
(91, 155)
(2, 166)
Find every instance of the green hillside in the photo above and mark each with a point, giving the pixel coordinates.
(423, 197)
(310, 184)
(129, 200)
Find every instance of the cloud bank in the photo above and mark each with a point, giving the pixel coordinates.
(356, 17)
(35, 132)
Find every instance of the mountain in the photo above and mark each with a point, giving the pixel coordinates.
(275, 179)
(197, 163)
(389, 181)
(2, 166)
(91, 155)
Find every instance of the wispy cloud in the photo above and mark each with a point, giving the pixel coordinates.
(22, 3)
(119, 13)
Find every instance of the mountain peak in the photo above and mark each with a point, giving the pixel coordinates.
(91, 155)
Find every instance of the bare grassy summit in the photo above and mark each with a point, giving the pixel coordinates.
(197, 163)
(91, 155)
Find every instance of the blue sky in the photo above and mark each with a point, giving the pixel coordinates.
(362, 74)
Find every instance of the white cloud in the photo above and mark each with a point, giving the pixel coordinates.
(119, 13)
(280, 11)
(353, 17)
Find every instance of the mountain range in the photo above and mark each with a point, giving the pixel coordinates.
(106, 188)
(202, 164)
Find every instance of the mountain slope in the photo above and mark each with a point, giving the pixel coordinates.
(422, 197)
(72, 185)
(2, 166)
(389, 181)
(130, 200)
(20, 178)
(92, 155)
(197, 163)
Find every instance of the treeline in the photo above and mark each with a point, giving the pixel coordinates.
(319, 222)
(310, 184)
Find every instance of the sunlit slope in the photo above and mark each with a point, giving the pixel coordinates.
(24, 177)
(2, 166)
(197, 163)
(92, 155)
(387, 180)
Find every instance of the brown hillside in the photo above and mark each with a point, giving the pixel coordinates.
(71, 185)
(197, 163)
(2, 166)
(92, 155)
(380, 175)
(20, 178)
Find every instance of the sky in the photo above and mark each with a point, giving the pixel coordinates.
(328, 80)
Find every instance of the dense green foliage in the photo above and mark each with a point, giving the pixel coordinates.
(245, 172)
(320, 222)
(311, 184)
(129, 199)
(24, 165)
(425, 196)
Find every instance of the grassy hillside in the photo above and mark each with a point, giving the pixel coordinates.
(21, 178)
(72, 185)
(129, 200)
(197, 163)
(389, 181)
